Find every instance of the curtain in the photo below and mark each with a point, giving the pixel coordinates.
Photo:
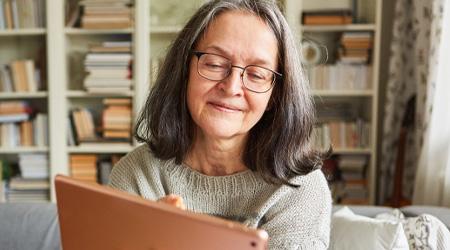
(416, 38)
(432, 185)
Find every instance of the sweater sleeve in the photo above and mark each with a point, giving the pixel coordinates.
(301, 218)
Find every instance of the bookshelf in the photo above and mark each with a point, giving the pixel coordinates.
(155, 25)
(362, 103)
(71, 48)
(24, 89)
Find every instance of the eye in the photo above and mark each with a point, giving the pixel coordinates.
(255, 76)
(213, 65)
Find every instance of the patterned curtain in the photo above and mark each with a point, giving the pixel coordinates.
(432, 185)
(415, 42)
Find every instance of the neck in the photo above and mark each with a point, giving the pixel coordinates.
(216, 157)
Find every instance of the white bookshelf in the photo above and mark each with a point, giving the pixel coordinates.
(161, 30)
(78, 31)
(63, 96)
(101, 149)
(343, 93)
(20, 150)
(366, 101)
(23, 95)
(21, 44)
(23, 32)
(85, 94)
(339, 28)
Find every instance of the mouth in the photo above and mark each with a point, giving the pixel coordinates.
(224, 107)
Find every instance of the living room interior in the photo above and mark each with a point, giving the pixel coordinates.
(74, 75)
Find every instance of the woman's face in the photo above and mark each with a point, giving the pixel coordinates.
(226, 109)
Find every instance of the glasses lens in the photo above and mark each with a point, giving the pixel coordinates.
(213, 67)
(258, 79)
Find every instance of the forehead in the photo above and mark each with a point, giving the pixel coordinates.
(241, 36)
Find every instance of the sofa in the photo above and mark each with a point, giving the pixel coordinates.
(35, 226)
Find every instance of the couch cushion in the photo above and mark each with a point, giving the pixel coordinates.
(442, 213)
(352, 231)
(29, 226)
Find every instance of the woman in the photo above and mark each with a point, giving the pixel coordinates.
(227, 128)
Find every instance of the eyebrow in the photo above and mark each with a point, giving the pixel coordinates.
(225, 53)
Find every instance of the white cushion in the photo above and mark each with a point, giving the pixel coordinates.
(423, 232)
(351, 231)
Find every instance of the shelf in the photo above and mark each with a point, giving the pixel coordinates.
(340, 93)
(23, 32)
(338, 28)
(102, 148)
(352, 151)
(20, 95)
(84, 94)
(165, 29)
(78, 31)
(18, 150)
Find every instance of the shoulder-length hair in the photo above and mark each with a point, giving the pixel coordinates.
(279, 145)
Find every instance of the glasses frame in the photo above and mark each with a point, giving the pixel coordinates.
(275, 74)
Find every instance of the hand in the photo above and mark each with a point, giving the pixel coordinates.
(174, 200)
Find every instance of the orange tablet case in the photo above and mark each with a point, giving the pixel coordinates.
(98, 217)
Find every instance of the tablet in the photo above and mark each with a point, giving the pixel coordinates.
(92, 216)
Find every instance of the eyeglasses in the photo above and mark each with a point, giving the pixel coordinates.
(216, 68)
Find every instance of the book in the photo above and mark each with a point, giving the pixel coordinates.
(327, 17)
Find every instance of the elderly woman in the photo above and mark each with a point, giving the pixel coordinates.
(227, 127)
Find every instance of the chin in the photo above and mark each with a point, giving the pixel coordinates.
(222, 131)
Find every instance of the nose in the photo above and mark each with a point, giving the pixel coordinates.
(232, 85)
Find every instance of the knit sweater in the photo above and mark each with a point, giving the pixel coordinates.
(294, 218)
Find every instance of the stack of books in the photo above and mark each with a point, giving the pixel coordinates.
(83, 124)
(20, 76)
(19, 14)
(341, 77)
(355, 47)
(25, 133)
(34, 166)
(327, 17)
(28, 190)
(342, 134)
(116, 119)
(352, 168)
(84, 167)
(106, 14)
(32, 185)
(109, 68)
(14, 111)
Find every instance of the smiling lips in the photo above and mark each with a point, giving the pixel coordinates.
(224, 107)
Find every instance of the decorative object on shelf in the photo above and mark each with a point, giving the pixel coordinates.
(313, 53)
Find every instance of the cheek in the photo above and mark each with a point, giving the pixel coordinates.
(260, 102)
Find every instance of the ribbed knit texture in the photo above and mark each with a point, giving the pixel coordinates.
(295, 218)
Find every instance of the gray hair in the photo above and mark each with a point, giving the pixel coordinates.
(279, 144)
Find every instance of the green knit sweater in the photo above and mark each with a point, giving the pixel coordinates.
(295, 218)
